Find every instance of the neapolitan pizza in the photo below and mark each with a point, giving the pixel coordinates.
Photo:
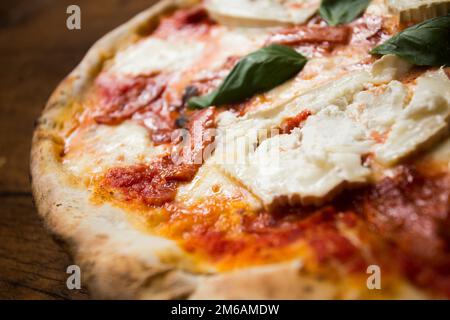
(262, 149)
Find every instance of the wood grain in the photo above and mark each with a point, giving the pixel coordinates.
(32, 265)
(36, 52)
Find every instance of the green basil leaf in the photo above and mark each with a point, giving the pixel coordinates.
(257, 72)
(342, 11)
(424, 44)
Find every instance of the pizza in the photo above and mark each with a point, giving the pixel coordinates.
(264, 149)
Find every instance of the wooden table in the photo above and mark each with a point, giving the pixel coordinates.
(36, 52)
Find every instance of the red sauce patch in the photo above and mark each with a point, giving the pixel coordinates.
(369, 29)
(378, 137)
(295, 122)
(141, 98)
(311, 34)
(193, 21)
(318, 39)
(156, 183)
(121, 97)
(415, 72)
(153, 184)
(231, 236)
(319, 228)
(413, 212)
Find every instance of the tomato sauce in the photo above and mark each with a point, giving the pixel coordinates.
(402, 223)
(313, 34)
(156, 183)
(228, 234)
(295, 122)
(153, 184)
(143, 98)
(412, 211)
(121, 97)
(319, 39)
(193, 21)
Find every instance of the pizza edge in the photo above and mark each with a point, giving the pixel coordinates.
(118, 261)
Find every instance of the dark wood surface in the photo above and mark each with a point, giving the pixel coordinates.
(36, 52)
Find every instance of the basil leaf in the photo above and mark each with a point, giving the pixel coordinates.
(342, 11)
(424, 44)
(257, 72)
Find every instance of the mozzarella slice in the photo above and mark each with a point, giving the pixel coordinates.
(295, 96)
(423, 120)
(210, 181)
(154, 55)
(378, 7)
(309, 163)
(93, 149)
(388, 68)
(261, 13)
(378, 112)
(418, 10)
(196, 55)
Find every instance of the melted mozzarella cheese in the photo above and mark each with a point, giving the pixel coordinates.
(307, 163)
(210, 181)
(154, 55)
(271, 114)
(261, 13)
(424, 119)
(326, 80)
(388, 68)
(229, 42)
(378, 7)
(197, 55)
(379, 111)
(97, 148)
(357, 115)
(418, 10)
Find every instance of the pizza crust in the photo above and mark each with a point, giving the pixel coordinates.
(118, 261)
